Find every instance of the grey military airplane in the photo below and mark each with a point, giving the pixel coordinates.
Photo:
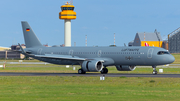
(95, 59)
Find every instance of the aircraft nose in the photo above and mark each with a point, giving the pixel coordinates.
(171, 59)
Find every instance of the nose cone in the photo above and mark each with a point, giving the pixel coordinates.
(171, 59)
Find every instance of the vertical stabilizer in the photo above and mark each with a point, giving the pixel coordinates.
(30, 38)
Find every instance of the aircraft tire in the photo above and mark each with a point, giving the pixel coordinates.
(104, 71)
(154, 72)
(80, 71)
(84, 72)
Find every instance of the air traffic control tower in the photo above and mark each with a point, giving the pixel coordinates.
(67, 14)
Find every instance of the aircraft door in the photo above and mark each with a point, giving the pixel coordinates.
(150, 51)
(71, 52)
(99, 53)
(39, 51)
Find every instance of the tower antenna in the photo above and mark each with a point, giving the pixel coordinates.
(86, 40)
(71, 2)
(114, 40)
(74, 44)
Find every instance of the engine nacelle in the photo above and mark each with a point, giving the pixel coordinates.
(92, 66)
(125, 68)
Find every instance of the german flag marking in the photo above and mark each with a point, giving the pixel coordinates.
(27, 29)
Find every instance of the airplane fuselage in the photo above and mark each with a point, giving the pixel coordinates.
(113, 55)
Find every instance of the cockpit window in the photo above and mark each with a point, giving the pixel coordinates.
(162, 52)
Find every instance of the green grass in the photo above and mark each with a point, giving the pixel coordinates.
(55, 88)
(177, 58)
(17, 60)
(48, 88)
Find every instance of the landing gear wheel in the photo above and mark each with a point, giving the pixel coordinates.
(104, 71)
(80, 71)
(154, 70)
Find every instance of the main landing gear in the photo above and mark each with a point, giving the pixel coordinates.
(154, 70)
(80, 71)
(104, 70)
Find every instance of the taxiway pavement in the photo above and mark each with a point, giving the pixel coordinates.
(89, 74)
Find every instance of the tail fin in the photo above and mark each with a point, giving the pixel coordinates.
(30, 38)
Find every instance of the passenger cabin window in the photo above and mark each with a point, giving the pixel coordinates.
(162, 52)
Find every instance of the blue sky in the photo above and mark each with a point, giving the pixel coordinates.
(98, 19)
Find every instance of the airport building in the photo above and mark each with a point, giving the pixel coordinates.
(147, 39)
(4, 48)
(174, 41)
(11, 53)
(165, 44)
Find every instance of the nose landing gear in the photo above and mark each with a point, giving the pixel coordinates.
(154, 70)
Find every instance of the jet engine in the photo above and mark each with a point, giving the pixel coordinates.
(125, 68)
(92, 66)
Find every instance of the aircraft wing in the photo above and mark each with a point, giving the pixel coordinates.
(106, 61)
(61, 57)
